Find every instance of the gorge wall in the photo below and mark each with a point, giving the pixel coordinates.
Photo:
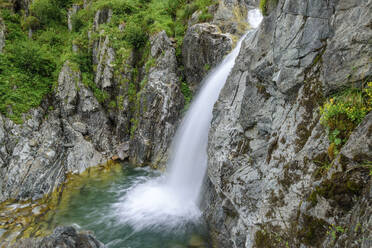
(129, 112)
(110, 101)
(272, 181)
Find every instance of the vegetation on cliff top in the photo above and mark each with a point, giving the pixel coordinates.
(29, 67)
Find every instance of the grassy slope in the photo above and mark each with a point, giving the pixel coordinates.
(29, 67)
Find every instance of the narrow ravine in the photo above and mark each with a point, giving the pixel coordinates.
(146, 209)
(136, 207)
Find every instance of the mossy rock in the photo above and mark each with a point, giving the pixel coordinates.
(341, 188)
(313, 231)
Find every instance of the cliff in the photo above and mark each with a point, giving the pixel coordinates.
(279, 174)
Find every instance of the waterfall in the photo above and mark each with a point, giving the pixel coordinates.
(171, 201)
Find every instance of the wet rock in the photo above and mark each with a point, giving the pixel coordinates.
(204, 46)
(123, 150)
(66, 237)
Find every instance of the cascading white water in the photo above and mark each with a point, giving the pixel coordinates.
(172, 200)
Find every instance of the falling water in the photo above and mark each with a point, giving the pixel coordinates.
(171, 201)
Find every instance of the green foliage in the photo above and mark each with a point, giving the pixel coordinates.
(28, 67)
(77, 22)
(343, 112)
(31, 22)
(262, 7)
(47, 11)
(135, 35)
(133, 127)
(25, 77)
(187, 94)
(335, 231)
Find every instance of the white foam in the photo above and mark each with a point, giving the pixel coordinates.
(172, 201)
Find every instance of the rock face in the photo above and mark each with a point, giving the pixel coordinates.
(231, 15)
(36, 156)
(266, 141)
(2, 35)
(73, 131)
(204, 46)
(160, 104)
(64, 237)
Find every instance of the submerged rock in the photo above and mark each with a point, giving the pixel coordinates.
(64, 237)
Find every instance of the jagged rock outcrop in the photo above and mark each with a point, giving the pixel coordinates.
(36, 156)
(102, 16)
(31, 155)
(71, 12)
(86, 125)
(104, 57)
(266, 141)
(2, 35)
(204, 46)
(64, 237)
(160, 104)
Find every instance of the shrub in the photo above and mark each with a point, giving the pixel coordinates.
(187, 94)
(26, 76)
(31, 22)
(29, 57)
(46, 11)
(77, 22)
(135, 35)
(343, 112)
